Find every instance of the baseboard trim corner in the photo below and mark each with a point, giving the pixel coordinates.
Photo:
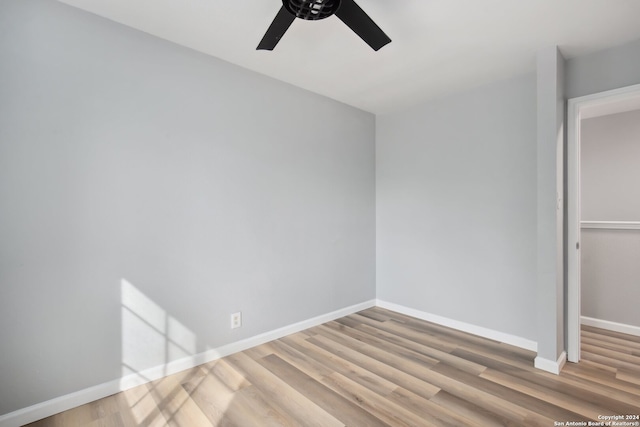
(63, 403)
(553, 366)
(611, 326)
(461, 326)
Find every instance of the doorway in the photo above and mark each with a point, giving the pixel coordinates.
(590, 106)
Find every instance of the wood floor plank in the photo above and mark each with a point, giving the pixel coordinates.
(379, 341)
(223, 371)
(406, 343)
(598, 342)
(348, 342)
(632, 340)
(286, 349)
(106, 407)
(590, 391)
(629, 376)
(387, 372)
(374, 315)
(260, 351)
(283, 396)
(449, 342)
(503, 400)
(580, 372)
(606, 360)
(143, 407)
(327, 399)
(431, 410)
(470, 410)
(452, 385)
(613, 339)
(213, 397)
(622, 356)
(375, 404)
(403, 331)
(442, 331)
(600, 367)
(176, 404)
(337, 364)
(380, 368)
(567, 406)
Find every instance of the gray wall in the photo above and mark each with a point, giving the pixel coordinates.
(456, 207)
(604, 70)
(550, 207)
(610, 191)
(143, 185)
(610, 167)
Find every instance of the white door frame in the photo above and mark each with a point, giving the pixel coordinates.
(598, 104)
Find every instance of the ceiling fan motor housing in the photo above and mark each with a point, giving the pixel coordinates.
(311, 10)
(314, 10)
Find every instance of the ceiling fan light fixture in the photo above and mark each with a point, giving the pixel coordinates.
(311, 10)
(314, 10)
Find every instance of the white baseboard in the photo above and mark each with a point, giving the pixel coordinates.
(461, 326)
(553, 366)
(63, 403)
(611, 326)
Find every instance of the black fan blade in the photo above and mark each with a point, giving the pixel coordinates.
(356, 19)
(276, 30)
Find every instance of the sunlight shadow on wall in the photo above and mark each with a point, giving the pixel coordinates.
(165, 382)
(150, 340)
(150, 337)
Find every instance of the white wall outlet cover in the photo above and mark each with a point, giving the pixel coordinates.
(236, 320)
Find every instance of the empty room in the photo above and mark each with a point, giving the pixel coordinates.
(319, 213)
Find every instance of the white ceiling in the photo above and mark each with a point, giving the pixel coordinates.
(438, 47)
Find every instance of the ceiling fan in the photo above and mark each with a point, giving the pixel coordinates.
(313, 10)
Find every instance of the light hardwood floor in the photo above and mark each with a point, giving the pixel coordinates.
(380, 368)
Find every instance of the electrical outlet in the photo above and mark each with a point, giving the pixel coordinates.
(236, 320)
